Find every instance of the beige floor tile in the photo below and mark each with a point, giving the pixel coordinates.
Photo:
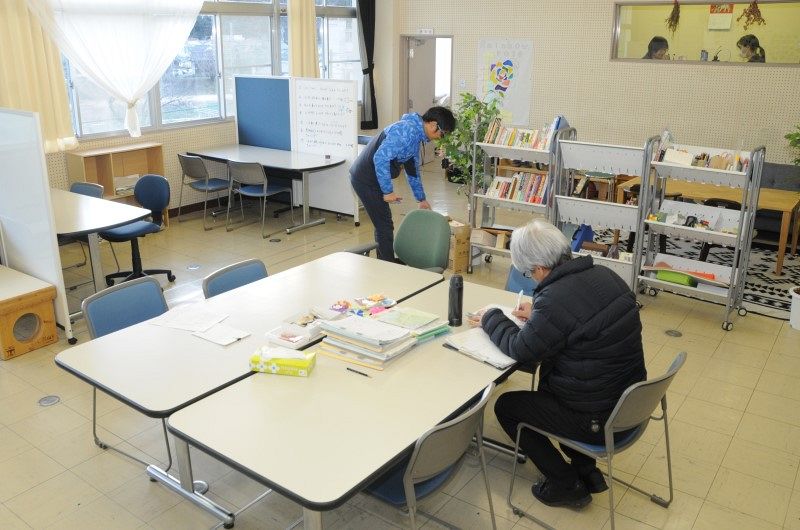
(779, 384)
(752, 496)
(11, 384)
(506, 462)
(49, 424)
(762, 462)
(144, 499)
(52, 500)
(237, 489)
(109, 470)
(721, 393)
(729, 372)
(25, 471)
(792, 521)
(463, 515)
(760, 324)
(632, 459)
(126, 422)
(272, 512)
(394, 515)
(695, 442)
(775, 407)
(739, 354)
(361, 520)
(681, 513)
(183, 515)
(771, 433)
(20, 406)
(77, 445)
(64, 385)
(469, 469)
(12, 444)
(37, 372)
(745, 336)
(784, 364)
(474, 492)
(10, 521)
(688, 475)
(788, 343)
(101, 514)
(82, 404)
(623, 522)
(715, 517)
(709, 416)
(592, 517)
(698, 324)
(698, 343)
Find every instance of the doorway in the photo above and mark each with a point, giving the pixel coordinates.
(426, 76)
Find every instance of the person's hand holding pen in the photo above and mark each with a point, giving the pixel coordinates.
(523, 311)
(474, 319)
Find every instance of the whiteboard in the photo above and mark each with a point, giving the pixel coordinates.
(324, 118)
(29, 234)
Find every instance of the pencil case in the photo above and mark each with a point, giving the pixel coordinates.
(677, 278)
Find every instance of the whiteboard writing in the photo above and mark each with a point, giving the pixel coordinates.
(325, 117)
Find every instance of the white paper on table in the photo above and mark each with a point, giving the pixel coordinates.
(507, 311)
(191, 317)
(280, 352)
(222, 334)
(476, 343)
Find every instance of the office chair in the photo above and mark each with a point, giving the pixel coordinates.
(422, 241)
(195, 170)
(436, 458)
(632, 413)
(248, 179)
(116, 308)
(152, 192)
(233, 276)
(717, 203)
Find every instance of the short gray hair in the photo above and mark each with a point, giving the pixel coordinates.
(539, 243)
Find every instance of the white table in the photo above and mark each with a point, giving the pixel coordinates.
(158, 370)
(276, 159)
(78, 215)
(336, 431)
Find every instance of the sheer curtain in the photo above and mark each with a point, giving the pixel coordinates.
(31, 77)
(303, 58)
(122, 45)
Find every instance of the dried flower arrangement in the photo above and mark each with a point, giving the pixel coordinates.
(674, 17)
(752, 15)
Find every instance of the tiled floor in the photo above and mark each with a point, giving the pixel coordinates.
(735, 410)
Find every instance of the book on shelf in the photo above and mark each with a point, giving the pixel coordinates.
(521, 187)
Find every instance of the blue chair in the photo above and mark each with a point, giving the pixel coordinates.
(247, 179)
(195, 170)
(233, 276)
(116, 308)
(152, 192)
(436, 457)
(632, 413)
(517, 282)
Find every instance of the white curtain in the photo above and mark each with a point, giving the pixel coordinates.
(122, 45)
(303, 59)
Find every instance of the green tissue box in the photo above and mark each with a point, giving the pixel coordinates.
(676, 277)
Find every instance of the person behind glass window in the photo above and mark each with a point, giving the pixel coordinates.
(657, 49)
(750, 49)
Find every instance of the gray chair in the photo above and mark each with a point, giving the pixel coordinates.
(632, 413)
(233, 276)
(437, 456)
(119, 307)
(194, 169)
(248, 179)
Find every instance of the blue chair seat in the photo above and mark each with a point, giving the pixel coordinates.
(255, 190)
(389, 487)
(619, 445)
(211, 185)
(129, 231)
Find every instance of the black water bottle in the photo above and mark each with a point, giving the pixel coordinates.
(456, 300)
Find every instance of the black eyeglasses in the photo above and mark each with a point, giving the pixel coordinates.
(528, 274)
(440, 130)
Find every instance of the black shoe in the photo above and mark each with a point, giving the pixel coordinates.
(594, 481)
(575, 496)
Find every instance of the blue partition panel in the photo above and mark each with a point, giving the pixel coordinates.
(263, 112)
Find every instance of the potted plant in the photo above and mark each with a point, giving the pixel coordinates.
(472, 115)
(794, 142)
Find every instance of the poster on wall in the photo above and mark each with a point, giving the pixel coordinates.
(720, 16)
(506, 74)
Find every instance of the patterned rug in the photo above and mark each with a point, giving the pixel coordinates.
(764, 292)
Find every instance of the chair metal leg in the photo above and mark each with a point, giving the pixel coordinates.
(610, 488)
(228, 214)
(180, 198)
(482, 459)
(205, 204)
(517, 510)
(263, 216)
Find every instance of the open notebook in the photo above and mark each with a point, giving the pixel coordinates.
(476, 343)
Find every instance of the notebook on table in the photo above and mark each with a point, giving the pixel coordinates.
(476, 343)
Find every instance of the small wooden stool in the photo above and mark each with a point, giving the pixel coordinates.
(27, 320)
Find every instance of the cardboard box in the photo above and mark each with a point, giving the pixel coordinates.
(481, 237)
(503, 239)
(27, 318)
(263, 361)
(458, 264)
(459, 231)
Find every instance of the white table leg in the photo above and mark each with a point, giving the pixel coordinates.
(96, 263)
(312, 520)
(306, 221)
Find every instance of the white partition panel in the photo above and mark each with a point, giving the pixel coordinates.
(25, 212)
(324, 117)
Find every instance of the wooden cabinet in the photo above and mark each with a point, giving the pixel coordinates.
(103, 165)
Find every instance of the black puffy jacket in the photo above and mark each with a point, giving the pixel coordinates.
(584, 330)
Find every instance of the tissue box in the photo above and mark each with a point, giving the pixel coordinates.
(299, 367)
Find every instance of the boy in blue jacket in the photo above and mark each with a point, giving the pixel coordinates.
(372, 172)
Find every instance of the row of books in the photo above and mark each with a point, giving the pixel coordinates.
(540, 139)
(522, 187)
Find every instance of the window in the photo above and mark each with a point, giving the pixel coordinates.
(230, 38)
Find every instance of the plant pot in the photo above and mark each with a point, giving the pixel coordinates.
(454, 175)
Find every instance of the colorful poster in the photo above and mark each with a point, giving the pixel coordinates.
(720, 16)
(506, 74)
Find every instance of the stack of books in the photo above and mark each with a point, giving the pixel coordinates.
(365, 341)
(523, 187)
(422, 326)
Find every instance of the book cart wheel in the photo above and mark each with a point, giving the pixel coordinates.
(727, 326)
(487, 258)
(742, 311)
(652, 291)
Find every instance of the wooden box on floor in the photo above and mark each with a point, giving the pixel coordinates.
(27, 320)
(459, 247)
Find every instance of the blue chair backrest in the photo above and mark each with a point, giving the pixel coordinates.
(233, 276)
(516, 281)
(152, 192)
(87, 188)
(123, 305)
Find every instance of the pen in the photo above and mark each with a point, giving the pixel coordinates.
(519, 299)
(357, 372)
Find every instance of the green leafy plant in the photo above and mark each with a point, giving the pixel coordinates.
(794, 142)
(470, 113)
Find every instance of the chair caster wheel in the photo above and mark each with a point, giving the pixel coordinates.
(109, 282)
(487, 258)
(521, 459)
(742, 312)
(230, 525)
(358, 223)
(171, 277)
(639, 304)
(517, 512)
(727, 326)
(73, 340)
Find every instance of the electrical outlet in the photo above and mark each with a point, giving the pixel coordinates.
(462, 84)
(425, 31)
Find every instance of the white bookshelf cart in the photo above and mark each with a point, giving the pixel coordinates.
(730, 228)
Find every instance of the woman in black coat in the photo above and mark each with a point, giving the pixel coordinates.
(584, 329)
